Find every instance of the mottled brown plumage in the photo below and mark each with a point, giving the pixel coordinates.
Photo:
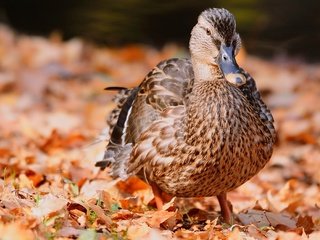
(194, 127)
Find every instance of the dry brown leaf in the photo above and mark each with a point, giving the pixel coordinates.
(306, 222)
(203, 235)
(69, 232)
(265, 219)
(123, 215)
(159, 235)
(154, 219)
(256, 233)
(79, 174)
(314, 235)
(129, 203)
(15, 231)
(197, 215)
(36, 178)
(14, 199)
(132, 185)
(285, 199)
(138, 231)
(106, 199)
(100, 214)
(290, 236)
(57, 141)
(91, 189)
(298, 130)
(5, 153)
(48, 204)
(78, 213)
(236, 235)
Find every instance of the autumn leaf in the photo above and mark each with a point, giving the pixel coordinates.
(306, 222)
(154, 219)
(15, 231)
(48, 204)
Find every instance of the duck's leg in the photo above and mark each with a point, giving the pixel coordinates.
(157, 195)
(160, 197)
(226, 208)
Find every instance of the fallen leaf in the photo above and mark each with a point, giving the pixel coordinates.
(129, 203)
(91, 189)
(48, 204)
(236, 235)
(5, 153)
(306, 222)
(197, 215)
(89, 234)
(154, 219)
(15, 231)
(36, 178)
(314, 235)
(264, 219)
(122, 215)
(76, 212)
(132, 184)
(69, 231)
(286, 198)
(100, 214)
(138, 231)
(290, 236)
(159, 235)
(57, 141)
(256, 233)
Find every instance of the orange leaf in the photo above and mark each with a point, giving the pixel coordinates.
(5, 153)
(132, 185)
(306, 222)
(36, 178)
(129, 203)
(158, 217)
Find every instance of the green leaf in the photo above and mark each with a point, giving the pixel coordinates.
(89, 234)
(115, 207)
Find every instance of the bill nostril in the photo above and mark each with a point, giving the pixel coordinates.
(224, 57)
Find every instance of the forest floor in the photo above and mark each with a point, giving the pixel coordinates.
(52, 118)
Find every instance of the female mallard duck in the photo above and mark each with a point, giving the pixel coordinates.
(194, 127)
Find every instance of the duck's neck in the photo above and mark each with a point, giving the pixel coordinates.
(204, 71)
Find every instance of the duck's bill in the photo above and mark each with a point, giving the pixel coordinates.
(229, 66)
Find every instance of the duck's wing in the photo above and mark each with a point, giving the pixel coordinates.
(166, 86)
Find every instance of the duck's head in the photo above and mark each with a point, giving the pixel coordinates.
(215, 42)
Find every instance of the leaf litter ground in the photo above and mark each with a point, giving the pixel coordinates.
(52, 131)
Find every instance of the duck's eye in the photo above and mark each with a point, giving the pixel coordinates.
(208, 31)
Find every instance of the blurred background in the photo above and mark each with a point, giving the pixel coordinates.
(268, 27)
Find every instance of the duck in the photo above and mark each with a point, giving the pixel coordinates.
(194, 127)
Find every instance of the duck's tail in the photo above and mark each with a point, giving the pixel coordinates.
(118, 151)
